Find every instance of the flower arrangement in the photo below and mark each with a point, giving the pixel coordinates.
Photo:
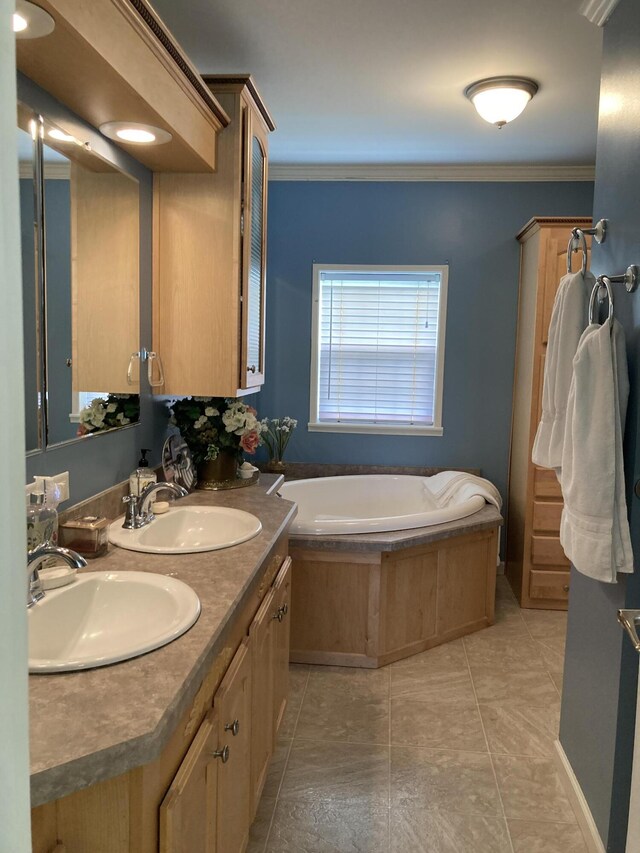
(276, 433)
(117, 410)
(210, 425)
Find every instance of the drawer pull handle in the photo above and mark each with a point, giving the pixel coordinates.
(221, 753)
(566, 587)
(233, 727)
(281, 612)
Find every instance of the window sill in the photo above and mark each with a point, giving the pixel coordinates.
(373, 429)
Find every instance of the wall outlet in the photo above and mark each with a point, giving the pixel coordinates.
(62, 481)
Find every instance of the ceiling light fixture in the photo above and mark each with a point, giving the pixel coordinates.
(134, 133)
(60, 135)
(31, 21)
(19, 23)
(501, 99)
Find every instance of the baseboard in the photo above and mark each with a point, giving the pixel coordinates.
(578, 801)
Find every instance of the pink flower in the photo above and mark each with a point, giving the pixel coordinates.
(250, 441)
(251, 410)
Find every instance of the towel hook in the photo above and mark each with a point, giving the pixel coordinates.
(578, 240)
(629, 278)
(601, 281)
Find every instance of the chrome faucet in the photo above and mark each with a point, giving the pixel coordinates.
(35, 591)
(138, 507)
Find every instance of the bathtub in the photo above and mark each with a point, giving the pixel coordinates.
(371, 503)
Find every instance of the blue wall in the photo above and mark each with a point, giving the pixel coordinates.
(470, 226)
(98, 462)
(601, 667)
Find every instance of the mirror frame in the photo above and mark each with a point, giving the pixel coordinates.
(121, 162)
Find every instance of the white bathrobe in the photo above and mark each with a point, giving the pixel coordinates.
(594, 530)
(568, 322)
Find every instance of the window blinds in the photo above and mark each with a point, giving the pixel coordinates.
(377, 347)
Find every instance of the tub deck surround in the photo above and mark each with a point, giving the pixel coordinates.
(95, 725)
(370, 599)
(307, 470)
(486, 519)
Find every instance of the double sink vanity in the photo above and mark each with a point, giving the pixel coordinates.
(167, 750)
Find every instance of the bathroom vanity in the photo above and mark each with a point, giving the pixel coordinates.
(169, 751)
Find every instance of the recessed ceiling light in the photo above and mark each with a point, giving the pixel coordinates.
(60, 135)
(501, 99)
(19, 23)
(31, 21)
(135, 133)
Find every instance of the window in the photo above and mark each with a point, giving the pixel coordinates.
(378, 349)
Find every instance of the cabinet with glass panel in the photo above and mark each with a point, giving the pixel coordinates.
(210, 257)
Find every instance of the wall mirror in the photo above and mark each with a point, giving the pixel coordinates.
(83, 349)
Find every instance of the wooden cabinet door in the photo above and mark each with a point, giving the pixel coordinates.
(262, 641)
(188, 811)
(253, 250)
(233, 703)
(282, 622)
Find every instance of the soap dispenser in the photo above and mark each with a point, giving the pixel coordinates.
(42, 513)
(143, 476)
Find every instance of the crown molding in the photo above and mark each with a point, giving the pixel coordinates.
(420, 172)
(52, 171)
(598, 11)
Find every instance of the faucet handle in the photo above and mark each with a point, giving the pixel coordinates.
(131, 501)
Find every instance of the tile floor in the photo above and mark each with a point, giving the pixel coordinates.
(446, 752)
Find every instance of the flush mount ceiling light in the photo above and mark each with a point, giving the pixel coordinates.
(137, 134)
(30, 21)
(61, 136)
(501, 99)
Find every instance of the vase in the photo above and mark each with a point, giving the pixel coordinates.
(219, 470)
(275, 466)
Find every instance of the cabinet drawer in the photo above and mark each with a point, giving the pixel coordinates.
(549, 585)
(545, 484)
(547, 551)
(546, 517)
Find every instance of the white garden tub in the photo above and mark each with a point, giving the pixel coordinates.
(370, 503)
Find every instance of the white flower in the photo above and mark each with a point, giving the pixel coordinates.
(210, 412)
(111, 408)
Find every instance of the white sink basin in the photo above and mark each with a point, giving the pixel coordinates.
(188, 530)
(105, 617)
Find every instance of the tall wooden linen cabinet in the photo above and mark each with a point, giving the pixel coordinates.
(536, 564)
(210, 258)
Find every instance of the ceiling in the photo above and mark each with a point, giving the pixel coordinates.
(381, 81)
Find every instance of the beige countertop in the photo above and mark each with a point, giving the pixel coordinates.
(93, 725)
(394, 540)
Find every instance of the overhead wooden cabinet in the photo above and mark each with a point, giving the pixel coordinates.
(536, 565)
(115, 60)
(210, 258)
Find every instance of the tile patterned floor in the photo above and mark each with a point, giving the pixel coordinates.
(446, 752)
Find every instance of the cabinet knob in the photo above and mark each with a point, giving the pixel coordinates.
(252, 369)
(233, 727)
(566, 587)
(222, 753)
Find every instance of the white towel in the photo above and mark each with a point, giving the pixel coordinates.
(594, 530)
(448, 485)
(568, 322)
